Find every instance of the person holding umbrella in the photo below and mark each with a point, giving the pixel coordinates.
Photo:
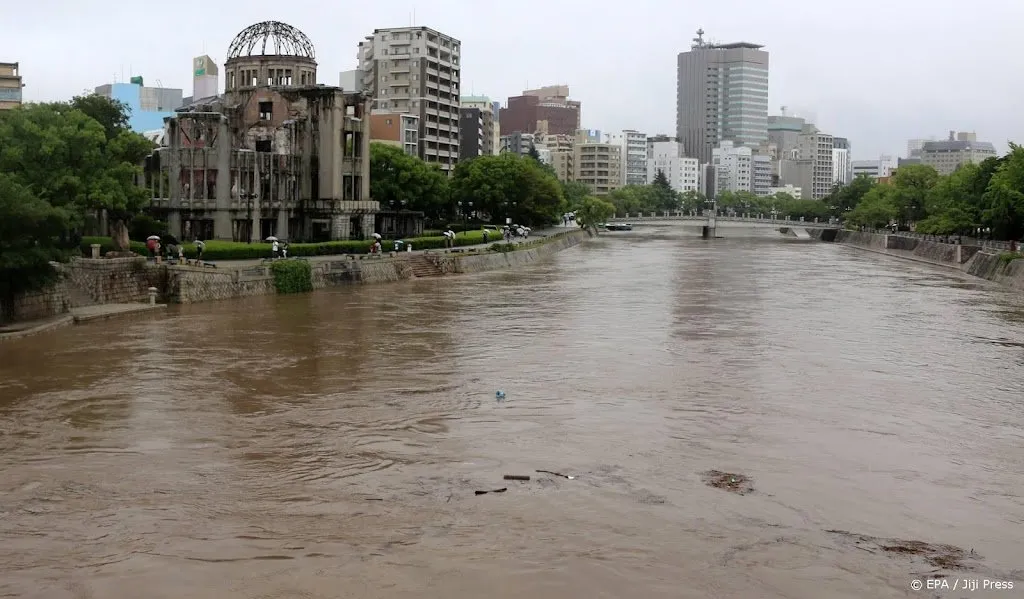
(275, 247)
(200, 246)
(169, 244)
(153, 245)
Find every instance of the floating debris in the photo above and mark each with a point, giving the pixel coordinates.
(516, 477)
(556, 474)
(728, 481)
(942, 556)
(501, 490)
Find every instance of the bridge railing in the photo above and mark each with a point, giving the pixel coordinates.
(697, 217)
(951, 239)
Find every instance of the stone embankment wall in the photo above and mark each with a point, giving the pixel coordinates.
(484, 261)
(973, 260)
(191, 284)
(86, 282)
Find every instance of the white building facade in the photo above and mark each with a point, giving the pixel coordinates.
(841, 168)
(666, 155)
(634, 155)
(876, 169)
(733, 167)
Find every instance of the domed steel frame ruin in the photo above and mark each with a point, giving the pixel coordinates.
(271, 38)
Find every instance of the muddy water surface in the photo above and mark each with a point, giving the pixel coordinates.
(330, 445)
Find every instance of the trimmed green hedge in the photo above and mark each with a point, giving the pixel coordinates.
(292, 276)
(234, 250)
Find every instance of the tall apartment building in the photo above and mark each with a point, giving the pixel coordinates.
(149, 105)
(733, 167)
(665, 154)
(961, 148)
(416, 70)
(10, 85)
(818, 146)
(842, 168)
(396, 129)
(762, 175)
(597, 165)
(633, 146)
(485, 107)
(546, 109)
(804, 155)
(721, 95)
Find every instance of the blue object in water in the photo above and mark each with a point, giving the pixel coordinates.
(499, 395)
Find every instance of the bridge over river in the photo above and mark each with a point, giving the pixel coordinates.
(710, 223)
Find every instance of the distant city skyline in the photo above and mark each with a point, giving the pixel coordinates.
(622, 86)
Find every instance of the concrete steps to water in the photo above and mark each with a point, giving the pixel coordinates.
(422, 267)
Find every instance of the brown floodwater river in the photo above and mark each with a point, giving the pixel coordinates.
(331, 444)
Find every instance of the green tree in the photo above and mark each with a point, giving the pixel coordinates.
(509, 186)
(846, 197)
(692, 200)
(665, 198)
(64, 157)
(634, 198)
(400, 181)
(910, 188)
(1004, 197)
(594, 211)
(953, 205)
(30, 233)
(111, 114)
(876, 209)
(574, 193)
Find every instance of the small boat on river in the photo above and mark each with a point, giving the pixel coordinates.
(618, 227)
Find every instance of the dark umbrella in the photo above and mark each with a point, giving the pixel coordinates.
(169, 240)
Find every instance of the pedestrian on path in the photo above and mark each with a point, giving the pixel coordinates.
(200, 246)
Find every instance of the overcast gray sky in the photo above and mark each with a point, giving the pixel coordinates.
(875, 71)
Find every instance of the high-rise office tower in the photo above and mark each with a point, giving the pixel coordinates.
(415, 70)
(721, 95)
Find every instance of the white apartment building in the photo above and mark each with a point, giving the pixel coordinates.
(876, 169)
(841, 168)
(634, 155)
(762, 169)
(665, 154)
(733, 167)
(417, 70)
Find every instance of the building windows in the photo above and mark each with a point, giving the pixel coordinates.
(266, 111)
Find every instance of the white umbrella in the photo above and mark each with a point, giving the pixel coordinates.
(271, 238)
(376, 235)
(151, 237)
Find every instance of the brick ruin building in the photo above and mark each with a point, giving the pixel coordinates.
(275, 155)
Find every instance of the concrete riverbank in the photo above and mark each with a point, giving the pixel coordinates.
(973, 260)
(191, 284)
(92, 289)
